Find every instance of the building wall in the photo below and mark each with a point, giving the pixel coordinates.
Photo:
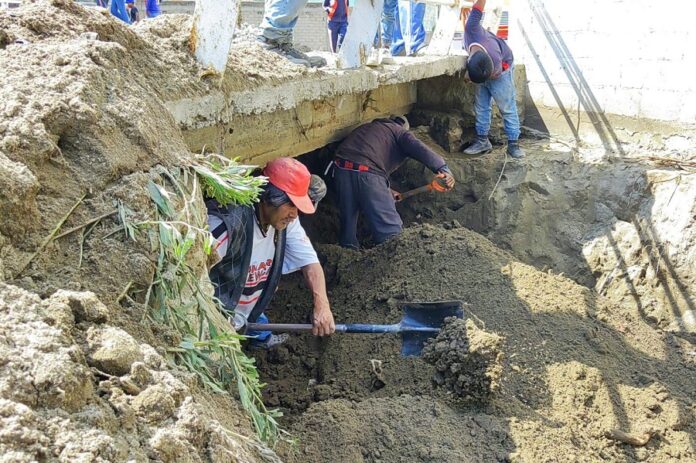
(632, 58)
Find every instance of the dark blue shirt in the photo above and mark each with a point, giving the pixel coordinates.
(337, 10)
(497, 48)
(152, 7)
(383, 145)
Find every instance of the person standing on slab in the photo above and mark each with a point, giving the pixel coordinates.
(364, 161)
(337, 22)
(279, 19)
(489, 66)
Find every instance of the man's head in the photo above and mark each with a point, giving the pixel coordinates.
(401, 119)
(290, 190)
(479, 66)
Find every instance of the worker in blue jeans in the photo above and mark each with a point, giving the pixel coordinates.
(279, 19)
(489, 66)
(118, 9)
(409, 31)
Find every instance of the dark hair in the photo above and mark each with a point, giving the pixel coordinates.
(400, 119)
(479, 66)
(273, 195)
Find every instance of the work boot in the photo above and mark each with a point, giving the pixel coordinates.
(291, 53)
(514, 150)
(480, 146)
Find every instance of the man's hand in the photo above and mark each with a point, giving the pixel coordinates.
(396, 195)
(323, 320)
(449, 180)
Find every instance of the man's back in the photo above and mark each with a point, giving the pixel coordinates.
(383, 145)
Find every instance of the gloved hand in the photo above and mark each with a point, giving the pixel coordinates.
(446, 175)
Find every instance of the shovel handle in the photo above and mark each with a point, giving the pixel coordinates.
(341, 328)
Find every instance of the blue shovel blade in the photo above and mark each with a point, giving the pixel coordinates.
(422, 321)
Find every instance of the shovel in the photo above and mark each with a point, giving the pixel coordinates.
(438, 184)
(421, 321)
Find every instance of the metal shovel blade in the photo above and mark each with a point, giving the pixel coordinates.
(424, 314)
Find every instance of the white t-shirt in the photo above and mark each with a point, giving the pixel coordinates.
(298, 253)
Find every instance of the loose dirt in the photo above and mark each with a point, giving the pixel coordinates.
(566, 380)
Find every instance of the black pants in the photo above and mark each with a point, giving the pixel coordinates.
(370, 194)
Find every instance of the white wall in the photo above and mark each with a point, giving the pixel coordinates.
(626, 57)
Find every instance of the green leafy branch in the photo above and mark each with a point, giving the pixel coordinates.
(178, 297)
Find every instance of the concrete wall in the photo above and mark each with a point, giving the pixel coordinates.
(632, 58)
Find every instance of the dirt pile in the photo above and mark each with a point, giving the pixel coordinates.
(573, 371)
(84, 373)
(467, 359)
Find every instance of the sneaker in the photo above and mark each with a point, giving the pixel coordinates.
(480, 146)
(514, 150)
(274, 340)
(291, 53)
(374, 58)
(386, 56)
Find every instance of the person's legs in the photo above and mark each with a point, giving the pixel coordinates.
(333, 35)
(388, 22)
(379, 207)
(482, 107)
(502, 90)
(346, 182)
(118, 9)
(343, 29)
(279, 19)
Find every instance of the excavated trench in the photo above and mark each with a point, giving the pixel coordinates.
(554, 260)
(575, 267)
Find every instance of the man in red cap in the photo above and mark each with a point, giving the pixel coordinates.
(257, 244)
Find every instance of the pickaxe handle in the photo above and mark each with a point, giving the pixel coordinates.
(341, 328)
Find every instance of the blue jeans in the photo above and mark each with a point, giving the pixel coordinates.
(502, 90)
(279, 19)
(370, 194)
(118, 9)
(337, 32)
(409, 35)
(388, 21)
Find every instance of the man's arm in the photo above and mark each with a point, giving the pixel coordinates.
(322, 318)
(479, 5)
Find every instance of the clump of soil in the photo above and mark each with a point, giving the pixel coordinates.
(467, 359)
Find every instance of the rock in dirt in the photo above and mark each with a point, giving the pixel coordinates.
(112, 350)
(467, 359)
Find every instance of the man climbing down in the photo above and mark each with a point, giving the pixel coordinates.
(490, 66)
(337, 22)
(259, 243)
(279, 19)
(364, 161)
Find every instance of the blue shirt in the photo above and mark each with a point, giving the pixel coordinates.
(497, 48)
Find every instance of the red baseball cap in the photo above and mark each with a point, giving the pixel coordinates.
(291, 176)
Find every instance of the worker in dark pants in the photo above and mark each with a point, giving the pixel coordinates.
(364, 161)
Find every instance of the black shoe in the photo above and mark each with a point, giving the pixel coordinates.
(291, 53)
(514, 150)
(480, 146)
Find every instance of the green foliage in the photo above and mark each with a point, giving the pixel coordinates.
(227, 181)
(180, 299)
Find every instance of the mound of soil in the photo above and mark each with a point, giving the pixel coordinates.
(568, 379)
(467, 359)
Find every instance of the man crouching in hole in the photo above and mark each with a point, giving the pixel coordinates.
(258, 243)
